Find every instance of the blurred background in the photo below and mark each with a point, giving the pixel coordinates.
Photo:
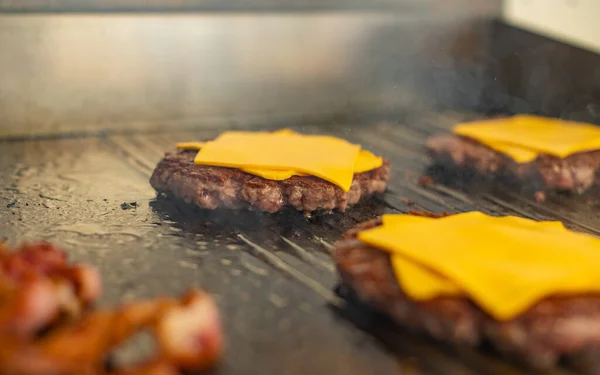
(90, 65)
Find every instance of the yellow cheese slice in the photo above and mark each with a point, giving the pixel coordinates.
(524, 137)
(269, 174)
(421, 283)
(230, 135)
(417, 281)
(190, 145)
(328, 158)
(504, 264)
(364, 162)
(273, 174)
(517, 153)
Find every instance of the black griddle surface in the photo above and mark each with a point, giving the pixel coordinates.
(271, 274)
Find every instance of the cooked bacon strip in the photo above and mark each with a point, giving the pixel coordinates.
(43, 259)
(188, 338)
(37, 285)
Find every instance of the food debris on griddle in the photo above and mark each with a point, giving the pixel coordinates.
(128, 205)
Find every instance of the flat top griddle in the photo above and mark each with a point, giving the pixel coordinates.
(271, 274)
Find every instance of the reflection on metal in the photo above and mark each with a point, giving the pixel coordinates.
(308, 257)
(79, 72)
(455, 6)
(280, 265)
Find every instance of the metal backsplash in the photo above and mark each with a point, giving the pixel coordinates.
(452, 6)
(77, 72)
(531, 73)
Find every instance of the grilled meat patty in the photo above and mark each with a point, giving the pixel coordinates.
(576, 173)
(211, 187)
(555, 328)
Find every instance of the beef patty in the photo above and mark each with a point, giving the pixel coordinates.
(211, 187)
(553, 329)
(576, 173)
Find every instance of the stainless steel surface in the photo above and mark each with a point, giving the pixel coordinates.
(451, 6)
(78, 72)
(531, 73)
(271, 274)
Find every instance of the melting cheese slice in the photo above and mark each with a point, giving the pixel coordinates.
(524, 137)
(365, 160)
(503, 264)
(269, 174)
(420, 282)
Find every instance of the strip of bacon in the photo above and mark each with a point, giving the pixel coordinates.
(37, 286)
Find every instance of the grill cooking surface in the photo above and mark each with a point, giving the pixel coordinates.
(271, 274)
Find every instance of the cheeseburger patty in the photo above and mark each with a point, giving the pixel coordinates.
(555, 328)
(212, 187)
(576, 173)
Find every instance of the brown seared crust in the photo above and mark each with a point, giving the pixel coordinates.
(212, 187)
(555, 328)
(576, 173)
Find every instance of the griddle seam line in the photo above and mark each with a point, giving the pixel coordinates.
(123, 145)
(308, 257)
(278, 263)
(129, 159)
